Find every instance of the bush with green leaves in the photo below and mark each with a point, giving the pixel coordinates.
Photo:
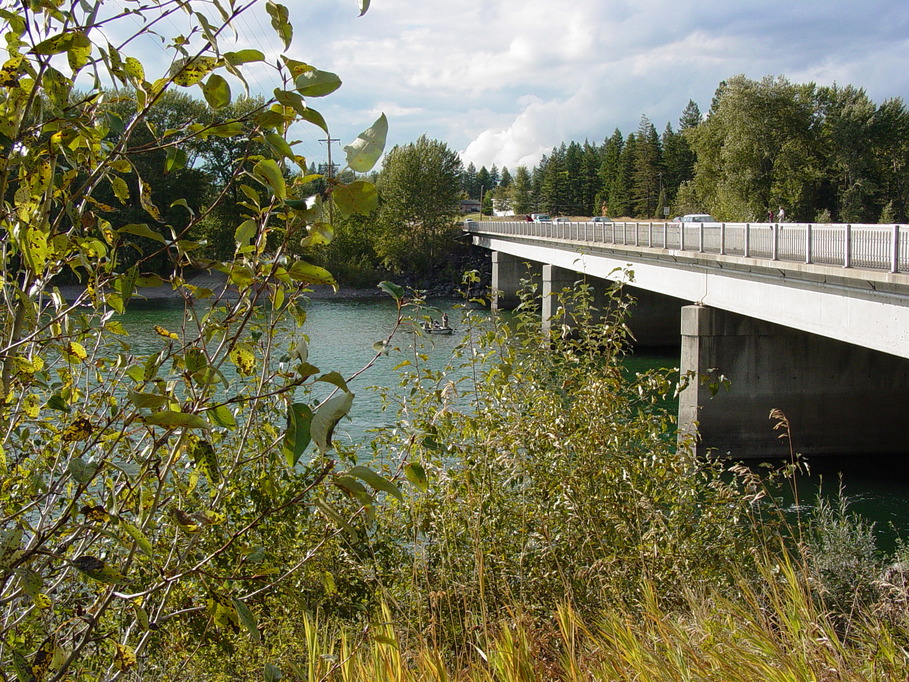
(551, 475)
(154, 496)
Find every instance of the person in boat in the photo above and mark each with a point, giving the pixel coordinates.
(444, 320)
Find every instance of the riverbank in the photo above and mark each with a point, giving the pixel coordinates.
(217, 282)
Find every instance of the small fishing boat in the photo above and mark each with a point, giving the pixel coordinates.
(436, 328)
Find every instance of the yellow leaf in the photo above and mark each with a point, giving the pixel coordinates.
(124, 658)
(244, 358)
(75, 350)
(161, 331)
(31, 406)
(80, 429)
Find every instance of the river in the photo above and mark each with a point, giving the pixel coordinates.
(342, 333)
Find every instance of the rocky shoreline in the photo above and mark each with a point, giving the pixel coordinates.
(218, 284)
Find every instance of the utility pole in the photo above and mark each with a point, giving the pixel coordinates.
(328, 140)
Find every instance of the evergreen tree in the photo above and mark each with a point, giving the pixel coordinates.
(521, 192)
(469, 183)
(678, 162)
(590, 184)
(691, 116)
(483, 182)
(648, 169)
(610, 173)
(620, 197)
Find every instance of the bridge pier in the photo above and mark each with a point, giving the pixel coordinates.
(838, 398)
(507, 271)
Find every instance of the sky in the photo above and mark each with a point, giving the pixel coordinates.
(504, 81)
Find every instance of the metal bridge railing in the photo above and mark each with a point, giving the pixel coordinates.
(872, 247)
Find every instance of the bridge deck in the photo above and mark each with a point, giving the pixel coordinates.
(849, 283)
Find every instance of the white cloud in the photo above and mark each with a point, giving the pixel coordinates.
(506, 80)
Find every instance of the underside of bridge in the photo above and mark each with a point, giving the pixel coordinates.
(838, 398)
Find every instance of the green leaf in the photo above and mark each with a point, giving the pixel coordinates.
(394, 290)
(222, 416)
(376, 481)
(54, 45)
(243, 57)
(290, 99)
(57, 402)
(297, 437)
(272, 673)
(279, 22)
(82, 471)
(269, 172)
(79, 50)
(175, 160)
(154, 401)
(359, 197)
(416, 474)
(336, 518)
(191, 70)
(216, 91)
(142, 542)
(247, 619)
(121, 189)
(316, 83)
(364, 152)
(174, 420)
(308, 273)
(315, 118)
(134, 69)
(327, 416)
(245, 233)
(318, 234)
(279, 144)
(231, 129)
(142, 230)
(335, 379)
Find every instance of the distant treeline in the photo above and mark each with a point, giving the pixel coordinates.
(821, 152)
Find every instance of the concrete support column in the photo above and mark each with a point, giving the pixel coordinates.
(507, 272)
(838, 398)
(555, 279)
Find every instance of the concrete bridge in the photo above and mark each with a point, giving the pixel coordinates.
(810, 319)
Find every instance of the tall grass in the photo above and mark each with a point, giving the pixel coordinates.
(773, 629)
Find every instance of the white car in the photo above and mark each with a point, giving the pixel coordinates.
(541, 218)
(698, 218)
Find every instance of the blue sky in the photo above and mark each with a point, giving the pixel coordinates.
(503, 81)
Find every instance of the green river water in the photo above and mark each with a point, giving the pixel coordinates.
(342, 333)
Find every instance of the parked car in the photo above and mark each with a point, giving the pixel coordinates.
(698, 218)
(541, 217)
(561, 220)
(600, 219)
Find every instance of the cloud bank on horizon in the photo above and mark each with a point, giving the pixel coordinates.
(504, 81)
